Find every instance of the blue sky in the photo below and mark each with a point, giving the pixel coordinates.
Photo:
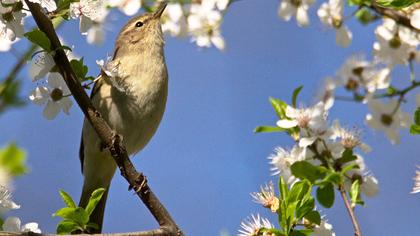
(205, 160)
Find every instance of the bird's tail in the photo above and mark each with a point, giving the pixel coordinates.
(97, 215)
(98, 173)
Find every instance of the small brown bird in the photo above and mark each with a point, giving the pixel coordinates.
(133, 102)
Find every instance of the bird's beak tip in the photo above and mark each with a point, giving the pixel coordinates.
(161, 8)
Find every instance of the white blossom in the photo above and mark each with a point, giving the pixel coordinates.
(395, 43)
(267, 197)
(325, 229)
(41, 65)
(415, 19)
(369, 186)
(416, 188)
(326, 94)
(289, 8)
(55, 96)
(13, 224)
(89, 11)
(251, 226)
(128, 7)
(47, 4)
(6, 202)
(282, 160)
(95, 34)
(349, 138)
(313, 118)
(388, 118)
(204, 25)
(174, 21)
(331, 15)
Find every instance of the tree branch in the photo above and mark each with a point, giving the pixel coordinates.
(112, 140)
(357, 231)
(393, 14)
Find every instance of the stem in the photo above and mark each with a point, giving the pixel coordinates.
(350, 211)
(112, 141)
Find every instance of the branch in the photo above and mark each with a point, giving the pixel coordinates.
(393, 14)
(350, 209)
(112, 140)
(156, 232)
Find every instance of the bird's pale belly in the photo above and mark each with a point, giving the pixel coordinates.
(137, 115)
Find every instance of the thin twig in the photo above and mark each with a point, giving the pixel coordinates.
(350, 210)
(393, 14)
(106, 134)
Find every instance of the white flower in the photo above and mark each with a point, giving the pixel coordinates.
(41, 64)
(174, 20)
(267, 197)
(357, 73)
(325, 229)
(369, 186)
(395, 43)
(204, 25)
(251, 226)
(12, 20)
(13, 224)
(348, 138)
(6, 202)
(88, 11)
(326, 94)
(416, 188)
(289, 8)
(95, 34)
(331, 14)
(282, 160)
(415, 19)
(5, 35)
(55, 96)
(47, 4)
(313, 118)
(388, 118)
(128, 7)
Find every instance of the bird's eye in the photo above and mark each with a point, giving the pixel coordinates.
(139, 24)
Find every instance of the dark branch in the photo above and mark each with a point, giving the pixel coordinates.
(393, 14)
(105, 133)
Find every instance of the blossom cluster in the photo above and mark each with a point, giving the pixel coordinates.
(320, 144)
(13, 224)
(201, 20)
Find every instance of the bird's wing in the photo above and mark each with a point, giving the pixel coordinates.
(95, 90)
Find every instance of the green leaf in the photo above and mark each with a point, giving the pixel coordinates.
(298, 191)
(332, 177)
(39, 38)
(325, 195)
(347, 156)
(94, 199)
(283, 188)
(67, 199)
(67, 227)
(350, 167)
(305, 208)
(13, 159)
(78, 215)
(365, 16)
(301, 232)
(397, 4)
(295, 95)
(314, 217)
(268, 129)
(305, 170)
(415, 129)
(417, 116)
(355, 192)
(79, 68)
(358, 2)
(279, 107)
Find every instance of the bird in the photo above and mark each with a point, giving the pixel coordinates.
(132, 101)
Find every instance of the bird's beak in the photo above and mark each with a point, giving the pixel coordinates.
(160, 10)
